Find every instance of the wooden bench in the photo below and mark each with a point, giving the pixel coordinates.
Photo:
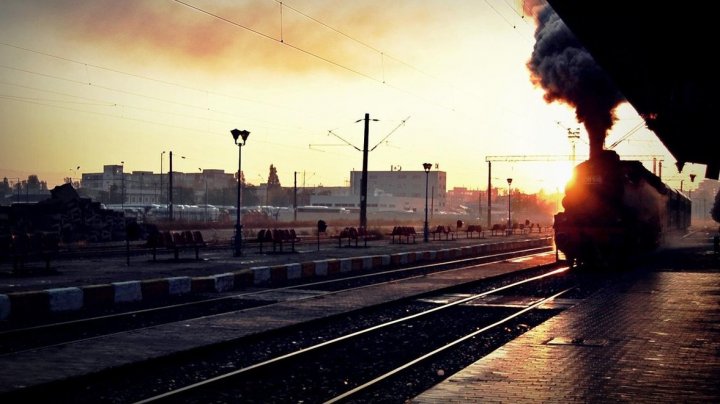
(403, 232)
(176, 241)
(440, 230)
(21, 248)
(474, 228)
(498, 228)
(353, 234)
(535, 226)
(277, 238)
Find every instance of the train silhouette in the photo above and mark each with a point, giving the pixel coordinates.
(615, 209)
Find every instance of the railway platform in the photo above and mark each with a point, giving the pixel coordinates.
(107, 280)
(64, 361)
(652, 337)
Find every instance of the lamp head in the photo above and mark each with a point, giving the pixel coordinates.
(243, 134)
(509, 180)
(427, 167)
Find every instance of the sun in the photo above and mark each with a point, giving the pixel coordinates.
(552, 177)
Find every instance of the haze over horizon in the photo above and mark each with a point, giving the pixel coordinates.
(88, 84)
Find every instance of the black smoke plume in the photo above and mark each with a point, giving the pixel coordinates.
(567, 72)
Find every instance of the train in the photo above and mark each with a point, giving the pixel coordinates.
(614, 209)
(155, 212)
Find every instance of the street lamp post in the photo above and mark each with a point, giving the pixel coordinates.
(426, 229)
(692, 179)
(206, 192)
(73, 175)
(509, 228)
(161, 177)
(122, 185)
(17, 185)
(243, 134)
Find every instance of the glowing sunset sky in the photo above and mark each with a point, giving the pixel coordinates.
(88, 83)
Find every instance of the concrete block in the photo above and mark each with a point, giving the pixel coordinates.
(307, 269)
(224, 282)
(4, 307)
(321, 268)
(127, 292)
(345, 265)
(28, 303)
(261, 275)
(294, 271)
(98, 295)
(278, 274)
(154, 288)
(179, 285)
(65, 299)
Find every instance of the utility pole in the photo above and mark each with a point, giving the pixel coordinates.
(573, 135)
(365, 150)
(295, 197)
(161, 177)
(170, 187)
(489, 193)
(479, 204)
(363, 180)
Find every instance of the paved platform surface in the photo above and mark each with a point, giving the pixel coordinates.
(652, 337)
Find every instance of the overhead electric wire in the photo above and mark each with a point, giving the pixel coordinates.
(99, 102)
(514, 27)
(384, 55)
(266, 36)
(197, 107)
(521, 15)
(146, 121)
(330, 132)
(629, 133)
(153, 79)
(391, 132)
(309, 53)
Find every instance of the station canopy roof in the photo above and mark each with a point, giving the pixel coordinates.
(660, 55)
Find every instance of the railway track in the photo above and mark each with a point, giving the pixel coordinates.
(85, 328)
(294, 364)
(372, 364)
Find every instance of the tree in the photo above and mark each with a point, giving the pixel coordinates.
(275, 194)
(33, 183)
(5, 187)
(273, 180)
(715, 211)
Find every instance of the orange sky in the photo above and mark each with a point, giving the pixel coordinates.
(92, 83)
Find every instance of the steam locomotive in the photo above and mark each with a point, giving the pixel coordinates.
(616, 208)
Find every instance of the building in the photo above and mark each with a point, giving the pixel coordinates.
(391, 191)
(113, 185)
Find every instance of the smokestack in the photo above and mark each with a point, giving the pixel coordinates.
(567, 73)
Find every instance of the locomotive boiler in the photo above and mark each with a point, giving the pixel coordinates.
(616, 208)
